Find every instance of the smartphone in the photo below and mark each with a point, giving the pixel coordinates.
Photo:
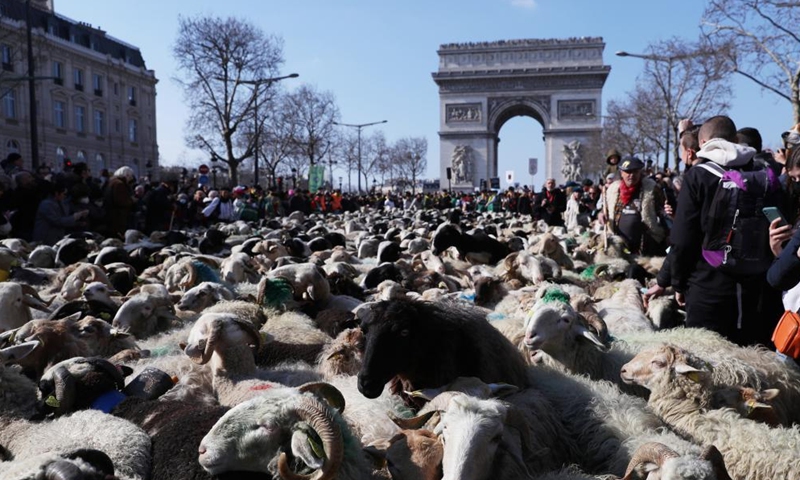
(772, 214)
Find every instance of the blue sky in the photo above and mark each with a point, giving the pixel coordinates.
(376, 56)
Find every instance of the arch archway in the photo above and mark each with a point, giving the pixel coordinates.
(482, 85)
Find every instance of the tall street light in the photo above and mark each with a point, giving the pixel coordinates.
(668, 94)
(359, 127)
(257, 85)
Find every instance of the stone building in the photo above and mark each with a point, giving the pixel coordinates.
(100, 105)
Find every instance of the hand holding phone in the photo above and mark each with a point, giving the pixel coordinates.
(772, 214)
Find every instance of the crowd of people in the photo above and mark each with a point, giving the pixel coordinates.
(653, 211)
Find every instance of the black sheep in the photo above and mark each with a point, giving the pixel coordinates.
(480, 248)
(427, 345)
(387, 271)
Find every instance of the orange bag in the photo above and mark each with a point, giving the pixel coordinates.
(786, 336)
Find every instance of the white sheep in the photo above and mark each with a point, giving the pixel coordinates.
(255, 436)
(307, 280)
(680, 393)
(226, 343)
(202, 296)
(16, 300)
(238, 268)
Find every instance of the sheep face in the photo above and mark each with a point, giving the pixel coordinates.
(656, 369)
(214, 331)
(248, 437)
(144, 314)
(99, 292)
(471, 431)
(103, 339)
(343, 356)
(15, 304)
(390, 345)
(202, 296)
(554, 327)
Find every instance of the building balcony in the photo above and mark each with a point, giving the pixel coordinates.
(132, 103)
(79, 87)
(98, 92)
(58, 81)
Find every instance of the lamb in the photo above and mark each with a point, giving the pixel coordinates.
(679, 385)
(427, 345)
(750, 403)
(550, 247)
(226, 342)
(202, 296)
(256, 435)
(16, 300)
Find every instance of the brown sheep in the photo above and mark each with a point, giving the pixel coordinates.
(57, 342)
(411, 454)
(343, 356)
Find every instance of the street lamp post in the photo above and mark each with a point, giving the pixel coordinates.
(294, 178)
(214, 170)
(667, 94)
(340, 184)
(359, 127)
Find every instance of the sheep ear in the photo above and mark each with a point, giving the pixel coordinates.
(690, 372)
(72, 318)
(500, 390)
(586, 334)
(17, 352)
(770, 394)
(308, 450)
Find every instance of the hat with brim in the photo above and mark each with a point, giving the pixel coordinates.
(631, 164)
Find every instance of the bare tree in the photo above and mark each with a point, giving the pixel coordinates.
(214, 55)
(312, 114)
(277, 138)
(761, 42)
(410, 156)
(692, 81)
(374, 154)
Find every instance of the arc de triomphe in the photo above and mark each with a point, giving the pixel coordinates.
(482, 85)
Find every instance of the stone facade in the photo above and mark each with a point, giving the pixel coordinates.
(100, 109)
(482, 85)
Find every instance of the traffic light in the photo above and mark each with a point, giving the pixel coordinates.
(67, 164)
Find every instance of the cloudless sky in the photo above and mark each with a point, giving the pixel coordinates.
(377, 56)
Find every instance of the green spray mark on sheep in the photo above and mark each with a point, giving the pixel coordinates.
(555, 295)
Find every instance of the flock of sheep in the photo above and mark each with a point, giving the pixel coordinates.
(372, 345)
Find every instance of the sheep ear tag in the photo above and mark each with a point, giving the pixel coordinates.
(753, 405)
(52, 402)
(689, 372)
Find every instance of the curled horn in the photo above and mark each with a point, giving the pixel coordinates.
(213, 337)
(113, 371)
(64, 384)
(328, 392)
(596, 323)
(192, 271)
(650, 452)
(714, 456)
(63, 470)
(321, 420)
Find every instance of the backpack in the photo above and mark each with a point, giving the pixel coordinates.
(736, 238)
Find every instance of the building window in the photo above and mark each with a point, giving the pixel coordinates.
(59, 114)
(58, 73)
(116, 125)
(80, 119)
(116, 88)
(99, 123)
(133, 130)
(78, 74)
(8, 64)
(132, 96)
(12, 146)
(10, 104)
(97, 82)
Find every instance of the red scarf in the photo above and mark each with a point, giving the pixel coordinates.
(626, 193)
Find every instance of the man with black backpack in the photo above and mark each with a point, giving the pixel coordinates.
(720, 239)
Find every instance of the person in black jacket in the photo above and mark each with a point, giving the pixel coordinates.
(744, 309)
(784, 274)
(552, 203)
